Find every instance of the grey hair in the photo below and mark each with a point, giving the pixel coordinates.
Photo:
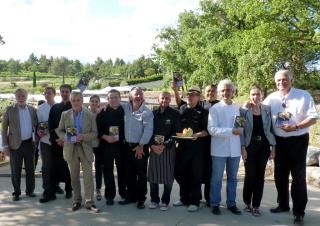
(225, 82)
(76, 93)
(21, 90)
(285, 72)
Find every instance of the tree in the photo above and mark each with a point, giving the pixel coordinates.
(13, 66)
(60, 67)
(44, 64)
(32, 63)
(246, 41)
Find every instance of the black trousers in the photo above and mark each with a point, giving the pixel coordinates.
(46, 156)
(258, 153)
(60, 169)
(188, 172)
(113, 154)
(98, 165)
(154, 193)
(136, 173)
(207, 171)
(291, 158)
(25, 153)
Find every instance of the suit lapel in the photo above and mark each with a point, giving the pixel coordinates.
(71, 122)
(16, 117)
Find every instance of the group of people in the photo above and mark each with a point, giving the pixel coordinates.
(144, 146)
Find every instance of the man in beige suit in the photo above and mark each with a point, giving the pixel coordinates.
(18, 126)
(78, 128)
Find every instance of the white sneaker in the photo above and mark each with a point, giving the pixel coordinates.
(193, 208)
(153, 205)
(178, 203)
(164, 207)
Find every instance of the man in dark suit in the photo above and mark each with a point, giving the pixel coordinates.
(18, 126)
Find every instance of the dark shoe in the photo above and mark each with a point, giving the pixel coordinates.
(59, 190)
(31, 195)
(76, 206)
(256, 212)
(208, 204)
(125, 202)
(98, 196)
(298, 220)
(15, 198)
(93, 209)
(247, 209)
(47, 199)
(216, 210)
(234, 210)
(140, 205)
(109, 202)
(279, 209)
(68, 194)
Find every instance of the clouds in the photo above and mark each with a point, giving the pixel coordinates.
(78, 29)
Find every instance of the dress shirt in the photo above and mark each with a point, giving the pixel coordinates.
(297, 102)
(43, 116)
(25, 123)
(138, 125)
(77, 117)
(220, 124)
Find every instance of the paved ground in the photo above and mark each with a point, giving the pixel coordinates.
(28, 211)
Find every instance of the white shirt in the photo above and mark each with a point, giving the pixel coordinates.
(297, 102)
(220, 125)
(25, 123)
(43, 116)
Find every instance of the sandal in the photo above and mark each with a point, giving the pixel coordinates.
(256, 212)
(247, 208)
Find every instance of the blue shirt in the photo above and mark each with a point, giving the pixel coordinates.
(77, 117)
(138, 126)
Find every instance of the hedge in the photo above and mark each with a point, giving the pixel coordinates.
(144, 79)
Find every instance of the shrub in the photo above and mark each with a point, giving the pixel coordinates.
(144, 79)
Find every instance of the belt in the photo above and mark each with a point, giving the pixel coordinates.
(27, 140)
(257, 138)
(132, 145)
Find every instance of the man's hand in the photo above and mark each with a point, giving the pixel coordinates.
(60, 142)
(80, 137)
(288, 128)
(237, 131)
(40, 133)
(272, 153)
(6, 151)
(244, 154)
(109, 139)
(174, 86)
(158, 149)
(139, 151)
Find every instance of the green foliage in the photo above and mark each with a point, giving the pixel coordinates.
(144, 79)
(246, 41)
(34, 80)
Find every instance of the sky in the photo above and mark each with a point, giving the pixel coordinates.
(85, 29)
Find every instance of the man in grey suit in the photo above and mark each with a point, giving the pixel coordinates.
(78, 129)
(18, 126)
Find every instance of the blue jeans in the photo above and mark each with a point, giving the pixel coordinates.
(218, 165)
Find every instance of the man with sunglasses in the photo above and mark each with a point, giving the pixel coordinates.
(293, 112)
